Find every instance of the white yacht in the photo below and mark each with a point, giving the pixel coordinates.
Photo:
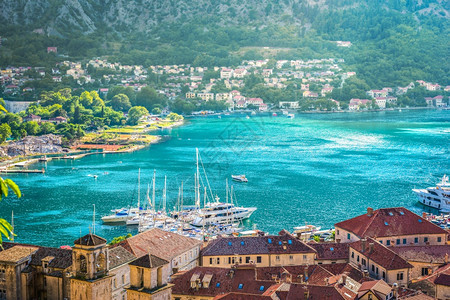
(436, 197)
(120, 215)
(221, 213)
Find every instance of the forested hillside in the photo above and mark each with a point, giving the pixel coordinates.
(393, 41)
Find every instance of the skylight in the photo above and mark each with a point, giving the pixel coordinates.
(218, 284)
(279, 243)
(332, 249)
(386, 223)
(230, 243)
(290, 242)
(402, 213)
(390, 213)
(420, 220)
(240, 286)
(242, 243)
(261, 288)
(270, 241)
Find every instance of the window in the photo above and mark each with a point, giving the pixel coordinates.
(400, 276)
(370, 297)
(377, 271)
(439, 239)
(388, 243)
(424, 271)
(45, 281)
(261, 288)
(258, 259)
(277, 257)
(348, 236)
(398, 242)
(291, 257)
(404, 241)
(247, 259)
(373, 268)
(425, 239)
(240, 260)
(416, 240)
(218, 260)
(210, 260)
(338, 232)
(384, 275)
(353, 254)
(114, 283)
(305, 257)
(217, 284)
(123, 279)
(381, 241)
(357, 258)
(363, 261)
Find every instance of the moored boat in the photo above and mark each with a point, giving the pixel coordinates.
(239, 178)
(436, 197)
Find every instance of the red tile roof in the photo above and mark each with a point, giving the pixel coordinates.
(385, 222)
(303, 291)
(380, 254)
(272, 244)
(330, 250)
(90, 240)
(163, 244)
(429, 253)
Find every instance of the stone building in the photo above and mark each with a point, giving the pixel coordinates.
(149, 279)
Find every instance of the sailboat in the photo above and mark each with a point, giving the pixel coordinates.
(121, 215)
(217, 213)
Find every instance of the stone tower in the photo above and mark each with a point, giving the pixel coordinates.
(90, 268)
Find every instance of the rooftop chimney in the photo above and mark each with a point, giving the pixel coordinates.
(338, 241)
(363, 245)
(344, 279)
(369, 211)
(371, 247)
(446, 258)
(424, 215)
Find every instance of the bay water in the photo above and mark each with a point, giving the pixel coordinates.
(316, 168)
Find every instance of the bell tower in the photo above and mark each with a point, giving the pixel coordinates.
(90, 266)
(90, 257)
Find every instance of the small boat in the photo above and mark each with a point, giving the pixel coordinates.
(239, 178)
(219, 117)
(247, 117)
(291, 116)
(253, 113)
(274, 114)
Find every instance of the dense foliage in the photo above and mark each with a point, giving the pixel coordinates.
(394, 42)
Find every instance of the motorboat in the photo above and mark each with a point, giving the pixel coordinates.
(120, 215)
(239, 178)
(222, 213)
(436, 197)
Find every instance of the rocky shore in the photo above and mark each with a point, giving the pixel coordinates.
(31, 145)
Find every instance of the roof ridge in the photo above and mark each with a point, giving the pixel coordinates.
(375, 213)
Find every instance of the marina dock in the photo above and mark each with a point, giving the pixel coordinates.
(21, 171)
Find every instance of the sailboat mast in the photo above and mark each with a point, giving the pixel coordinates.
(93, 220)
(12, 225)
(164, 194)
(154, 182)
(197, 176)
(204, 199)
(182, 195)
(139, 189)
(226, 191)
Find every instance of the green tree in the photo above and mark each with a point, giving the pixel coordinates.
(135, 113)
(120, 102)
(31, 127)
(47, 127)
(149, 98)
(156, 111)
(5, 132)
(6, 228)
(174, 117)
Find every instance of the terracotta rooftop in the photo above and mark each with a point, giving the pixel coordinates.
(304, 291)
(443, 278)
(163, 244)
(242, 296)
(222, 281)
(90, 240)
(379, 287)
(330, 250)
(60, 258)
(385, 222)
(118, 256)
(429, 253)
(380, 254)
(272, 244)
(17, 253)
(149, 261)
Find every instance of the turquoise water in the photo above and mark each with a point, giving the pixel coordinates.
(319, 169)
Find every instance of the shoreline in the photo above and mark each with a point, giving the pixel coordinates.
(20, 166)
